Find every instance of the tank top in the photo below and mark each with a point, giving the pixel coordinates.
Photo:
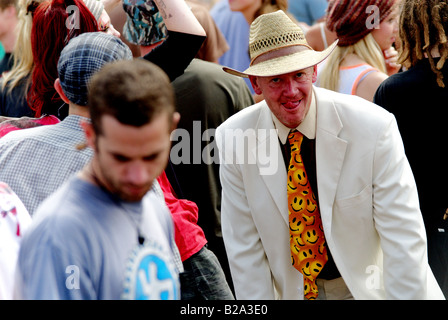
(351, 76)
(322, 34)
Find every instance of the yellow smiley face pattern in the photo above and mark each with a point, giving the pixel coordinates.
(307, 240)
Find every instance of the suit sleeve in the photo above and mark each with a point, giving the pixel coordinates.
(398, 219)
(248, 263)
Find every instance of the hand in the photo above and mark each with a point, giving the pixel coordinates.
(391, 57)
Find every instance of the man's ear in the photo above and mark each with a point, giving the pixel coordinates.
(254, 82)
(175, 121)
(58, 87)
(315, 73)
(89, 133)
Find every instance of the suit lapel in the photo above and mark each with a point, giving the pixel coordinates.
(330, 153)
(270, 162)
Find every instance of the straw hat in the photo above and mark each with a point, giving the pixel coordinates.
(277, 45)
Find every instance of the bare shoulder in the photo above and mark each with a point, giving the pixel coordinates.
(368, 86)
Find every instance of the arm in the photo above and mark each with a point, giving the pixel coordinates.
(249, 266)
(398, 219)
(380, 95)
(178, 16)
(368, 86)
(185, 38)
(51, 272)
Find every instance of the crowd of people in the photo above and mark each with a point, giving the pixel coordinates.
(222, 150)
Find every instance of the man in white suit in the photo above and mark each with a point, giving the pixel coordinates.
(357, 168)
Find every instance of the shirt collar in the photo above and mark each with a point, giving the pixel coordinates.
(307, 127)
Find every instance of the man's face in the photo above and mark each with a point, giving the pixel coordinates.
(127, 158)
(287, 95)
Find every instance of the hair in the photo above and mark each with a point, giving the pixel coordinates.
(268, 6)
(366, 49)
(50, 32)
(8, 3)
(348, 18)
(424, 27)
(23, 56)
(132, 91)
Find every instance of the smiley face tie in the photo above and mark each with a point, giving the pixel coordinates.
(307, 240)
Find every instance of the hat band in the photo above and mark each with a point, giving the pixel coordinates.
(275, 53)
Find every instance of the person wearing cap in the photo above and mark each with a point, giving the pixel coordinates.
(35, 177)
(426, 72)
(161, 57)
(101, 231)
(365, 56)
(360, 205)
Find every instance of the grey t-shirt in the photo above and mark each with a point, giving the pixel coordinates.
(83, 244)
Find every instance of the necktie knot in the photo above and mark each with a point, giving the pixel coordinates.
(295, 139)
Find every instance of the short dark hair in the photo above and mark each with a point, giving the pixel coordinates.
(132, 91)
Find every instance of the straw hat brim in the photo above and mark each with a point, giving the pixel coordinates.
(284, 64)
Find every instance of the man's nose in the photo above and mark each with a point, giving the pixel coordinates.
(137, 174)
(290, 88)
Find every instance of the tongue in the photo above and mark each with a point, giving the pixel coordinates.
(291, 105)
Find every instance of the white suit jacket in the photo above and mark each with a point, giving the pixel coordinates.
(367, 196)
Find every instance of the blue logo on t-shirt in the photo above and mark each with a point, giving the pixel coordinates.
(151, 275)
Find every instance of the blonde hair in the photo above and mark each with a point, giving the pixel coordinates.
(366, 49)
(268, 6)
(23, 56)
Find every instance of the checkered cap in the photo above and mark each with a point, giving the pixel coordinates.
(82, 57)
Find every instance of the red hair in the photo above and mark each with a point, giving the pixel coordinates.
(52, 29)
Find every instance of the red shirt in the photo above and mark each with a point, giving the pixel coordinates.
(190, 237)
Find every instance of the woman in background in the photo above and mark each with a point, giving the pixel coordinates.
(365, 55)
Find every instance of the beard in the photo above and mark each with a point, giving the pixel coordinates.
(128, 192)
(124, 191)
